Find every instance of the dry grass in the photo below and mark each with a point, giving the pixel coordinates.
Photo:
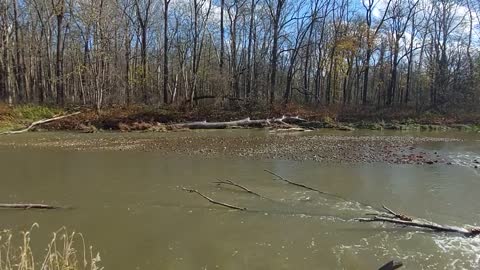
(65, 251)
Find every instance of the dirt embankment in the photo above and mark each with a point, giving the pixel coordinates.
(160, 119)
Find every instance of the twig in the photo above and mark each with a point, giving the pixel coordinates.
(316, 190)
(39, 122)
(397, 215)
(27, 206)
(297, 184)
(231, 183)
(213, 201)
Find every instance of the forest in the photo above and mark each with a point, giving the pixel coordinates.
(420, 54)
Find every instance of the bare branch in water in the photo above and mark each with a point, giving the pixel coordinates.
(231, 183)
(389, 216)
(214, 201)
(27, 206)
(295, 184)
(391, 265)
(316, 190)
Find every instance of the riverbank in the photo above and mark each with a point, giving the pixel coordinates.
(156, 119)
(319, 146)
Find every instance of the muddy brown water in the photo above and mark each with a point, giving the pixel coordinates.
(129, 206)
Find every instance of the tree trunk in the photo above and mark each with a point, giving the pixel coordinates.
(165, 54)
(60, 10)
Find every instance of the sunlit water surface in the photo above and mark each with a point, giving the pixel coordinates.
(130, 207)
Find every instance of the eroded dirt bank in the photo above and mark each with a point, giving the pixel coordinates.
(313, 146)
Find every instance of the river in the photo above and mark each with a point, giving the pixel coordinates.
(129, 205)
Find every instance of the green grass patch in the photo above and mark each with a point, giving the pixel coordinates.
(34, 112)
(17, 117)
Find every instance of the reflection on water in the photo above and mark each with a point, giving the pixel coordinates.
(129, 205)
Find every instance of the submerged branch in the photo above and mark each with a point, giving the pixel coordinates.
(214, 201)
(39, 122)
(391, 265)
(296, 184)
(316, 190)
(27, 206)
(231, 183)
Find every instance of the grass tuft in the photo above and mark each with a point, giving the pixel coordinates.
(65, 251)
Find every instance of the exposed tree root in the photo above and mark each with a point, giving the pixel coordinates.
(214, 201)
(389, 216)
(27, 206)
(39, 122)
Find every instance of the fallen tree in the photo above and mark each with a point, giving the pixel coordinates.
(39, 122)
(389, 216)
(27, 206)
(247, 122)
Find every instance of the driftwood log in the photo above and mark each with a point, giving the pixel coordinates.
(214, 201)
(27, 206)
(247, 122)
(389, 216)
(39, 122)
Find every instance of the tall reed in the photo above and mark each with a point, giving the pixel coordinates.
(65, 251)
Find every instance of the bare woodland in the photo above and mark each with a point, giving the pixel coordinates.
(383, 53)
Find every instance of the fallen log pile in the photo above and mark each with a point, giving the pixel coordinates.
(247, 122)
(284, 123)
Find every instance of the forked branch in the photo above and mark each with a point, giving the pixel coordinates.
(231, 183)
(399, 219)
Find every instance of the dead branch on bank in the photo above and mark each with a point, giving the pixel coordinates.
(39, 122)
(247, 122)
(27, 206)
(214, 201)
(231, 183)
(389, 216)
